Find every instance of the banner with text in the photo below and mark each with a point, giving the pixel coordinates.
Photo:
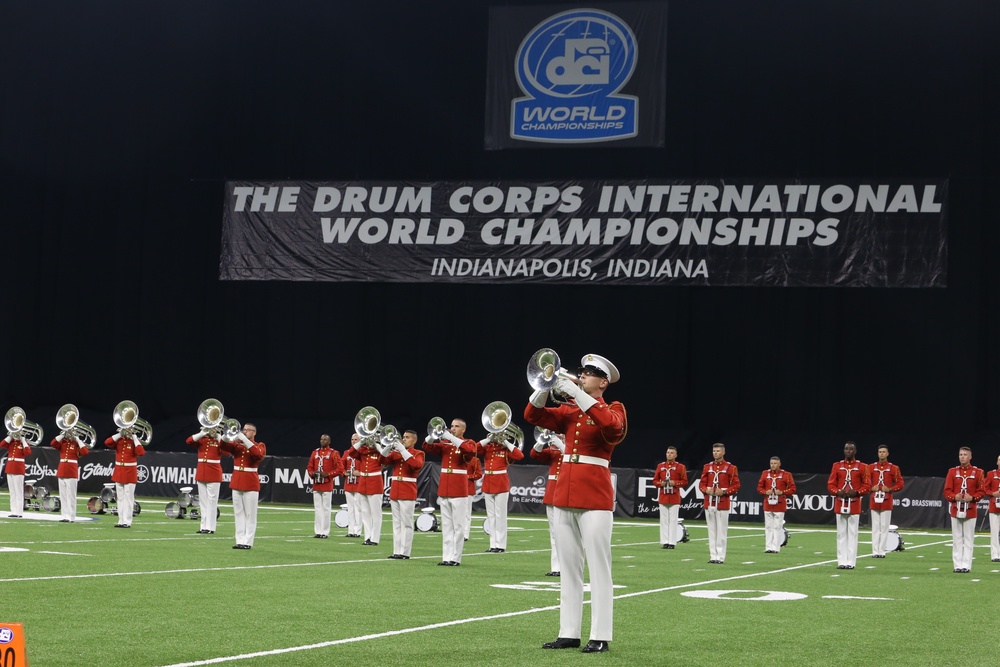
(639, 232)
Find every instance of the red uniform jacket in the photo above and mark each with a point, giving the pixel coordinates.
(69, 454)
(16, 451)
(723, 475)
(245, 462)
(780, 480)
(475, 470)
(127, 453)
(553, 457)
(991, 484)
(585, 478)
(677, 475)
(496, 458)
(326, 461)
(368, 468)
(209, 458)
(404, 474)
(848, 475)
(454, 480)
(969, 478)
(350, 474)
(884, 474)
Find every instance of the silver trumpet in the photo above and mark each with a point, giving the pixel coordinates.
(18, 424)
(366, 425)
(68, 419)
(437, 427)
(544, 370)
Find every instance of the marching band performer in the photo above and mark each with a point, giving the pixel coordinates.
(323, 467)
(208, 476)
(368, 469)
(886, 480)
(550, 452)
(17, 450)
(670, 477)
(351, 498)
(775, 485)
(720, 481)
(991, 487)
(68, 473)
(497, 453)
(584, 496)
(963, 487)
(453, 488)
(406, 463)
(247, 454)
(128, 449)
(848, 482)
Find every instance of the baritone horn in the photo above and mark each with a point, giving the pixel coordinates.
(437, 427)
(212, 416)
(68, 419)
(126, 416)
(18, 424)
(497, 420)
(366, 423)
(544, 370)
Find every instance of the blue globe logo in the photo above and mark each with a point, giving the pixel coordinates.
(575, 54)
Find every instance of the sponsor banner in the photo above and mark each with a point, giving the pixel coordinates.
(638, 232)
(527, 489)
(566, 76)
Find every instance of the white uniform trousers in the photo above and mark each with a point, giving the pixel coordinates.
(402, 526)
(245, 512)
(454, 514)
(126, 502)
(880, 531)
(585, 535)
(550, 514)
(994, 535)
(668, 523)
(468, 519)
(322, 508)
(847, 539)
(208, 504)
(371, 515)
(353, 512)
(67, 497)
(16, 485)
(496, 513)
(718, 532)
(774, 532)
(963, 534)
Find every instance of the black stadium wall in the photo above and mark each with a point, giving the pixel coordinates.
(122, 123)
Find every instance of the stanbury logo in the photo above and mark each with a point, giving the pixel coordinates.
(570, 66)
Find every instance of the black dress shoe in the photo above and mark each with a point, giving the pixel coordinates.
(668, 546)
(553, 573)
(402, 557)
(596, 646)
(237, 546)
(841, 567)
(448, 562)
(500, 551)
(492, 550)
(562, 642)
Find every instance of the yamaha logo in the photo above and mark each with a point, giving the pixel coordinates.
(143, 473)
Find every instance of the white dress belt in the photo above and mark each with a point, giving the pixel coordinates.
(581, 458)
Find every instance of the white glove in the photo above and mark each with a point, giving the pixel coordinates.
(539, 446)
(509, 445)
(560, 445)
(485, 441)
(452, 438)
(198, 436)
(429, 440)
(399, 446)
(245, 440)
(117, 436)
(358, 444)
(539, 398)
(584, 400)
(407, 455)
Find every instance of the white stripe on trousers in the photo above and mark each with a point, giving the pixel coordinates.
(550, 514)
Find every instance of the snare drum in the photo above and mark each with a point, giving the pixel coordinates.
(893, 542)
(51, 504)
(426, 522)
(680, 533)
(185, 499)
(108, 494)
(40, 492)
(95, 505)
(174, 510)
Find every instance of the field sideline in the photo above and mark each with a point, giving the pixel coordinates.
(160, 596)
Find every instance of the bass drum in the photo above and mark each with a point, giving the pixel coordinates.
(342, 519)
(96, 506)
(51, 504)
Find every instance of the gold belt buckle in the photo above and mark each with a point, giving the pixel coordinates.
(574, 458)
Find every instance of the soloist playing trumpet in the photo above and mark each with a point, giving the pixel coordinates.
(323, 468)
